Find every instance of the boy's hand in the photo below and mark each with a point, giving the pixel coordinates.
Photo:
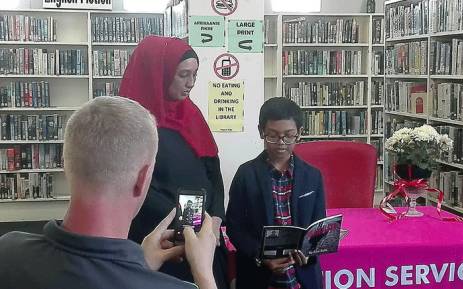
(156, 246)
(278, 265)
(299, 258)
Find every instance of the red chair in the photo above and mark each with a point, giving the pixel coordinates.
(348, 170)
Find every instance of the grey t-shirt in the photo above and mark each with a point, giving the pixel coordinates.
(59, 259)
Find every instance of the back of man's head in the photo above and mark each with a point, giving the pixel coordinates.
(107, 141)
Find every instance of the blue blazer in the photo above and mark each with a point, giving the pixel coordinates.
(251, 207)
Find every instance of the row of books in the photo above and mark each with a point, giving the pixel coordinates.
(32, 127)
(26, 186)
(378, 144)
(106, 89)
(376, 122)
(341, 30)
(394, 124)
(329, 122)
(125, 29)
(110, 62)
(406, 19)
(446, 15)
(446, 57)
(39, 61)
(407, 58)
(451, 184)
(456, 134)
(377, 63)
(326, 93)
(25, 94)
(448, 100)
(406, 97)
(378, 30)
(31, 156)
(322, 62)
(377, 92)
(27, 28)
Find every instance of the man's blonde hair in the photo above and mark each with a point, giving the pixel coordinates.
(108, 140)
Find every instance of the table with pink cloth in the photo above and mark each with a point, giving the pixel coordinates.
(423, 252)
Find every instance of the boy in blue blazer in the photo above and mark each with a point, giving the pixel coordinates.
(276, 188)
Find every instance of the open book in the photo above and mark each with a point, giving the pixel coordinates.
(320, 237)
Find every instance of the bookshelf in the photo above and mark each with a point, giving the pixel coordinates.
(424, 83)
(349, 92)
(51, 63)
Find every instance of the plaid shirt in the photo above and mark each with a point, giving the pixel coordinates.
(282, 187)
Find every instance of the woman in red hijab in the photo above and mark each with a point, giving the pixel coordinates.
(160, 75)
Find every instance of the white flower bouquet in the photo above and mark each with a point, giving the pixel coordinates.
(420, 146)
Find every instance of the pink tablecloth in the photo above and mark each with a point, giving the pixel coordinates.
(411, 253)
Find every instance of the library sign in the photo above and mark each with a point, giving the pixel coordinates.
(226, 112)
(78, 4)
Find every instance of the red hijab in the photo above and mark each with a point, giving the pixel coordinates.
(148, 75)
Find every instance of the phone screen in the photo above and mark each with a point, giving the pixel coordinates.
(190, 211)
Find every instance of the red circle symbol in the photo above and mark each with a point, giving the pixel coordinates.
(224, 7)
(226, 66)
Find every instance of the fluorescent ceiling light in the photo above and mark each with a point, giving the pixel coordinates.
(145, 5)
(9, 4)
(306, 6)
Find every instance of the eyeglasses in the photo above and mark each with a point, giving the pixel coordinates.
(287, 139)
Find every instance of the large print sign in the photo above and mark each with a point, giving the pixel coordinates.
(78, 4)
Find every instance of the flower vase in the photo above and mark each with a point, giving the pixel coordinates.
(413, 194)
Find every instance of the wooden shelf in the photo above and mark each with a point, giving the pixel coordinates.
(325, 44)
(449, 121)
(131, 44)
(409, 37)
(56, 199)
(335, 107)
(35, 109)
(108, 77)
(44, 43)
(454, 165)
(333, 136)
(406, 114)
(44, 76)
(327, 76)
(406, 76)
(447, 34)
(57, 170)
(31, 142)
(457, 77)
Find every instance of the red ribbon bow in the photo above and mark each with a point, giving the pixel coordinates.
(399, 190)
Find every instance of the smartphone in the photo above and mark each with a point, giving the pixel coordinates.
(227, 70)
(190, 211)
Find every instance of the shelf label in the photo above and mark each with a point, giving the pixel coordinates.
(225, 110)
(224, 7)
(245, 36)
(206, 31)
(226, 66)
(78, 4)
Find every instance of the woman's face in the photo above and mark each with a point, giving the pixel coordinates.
(184, 79)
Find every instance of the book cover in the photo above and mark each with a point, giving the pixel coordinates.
(320, 237)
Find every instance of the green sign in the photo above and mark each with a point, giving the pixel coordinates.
(206, 31)
(245, 36)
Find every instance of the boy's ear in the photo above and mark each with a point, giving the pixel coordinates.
(261, 132)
